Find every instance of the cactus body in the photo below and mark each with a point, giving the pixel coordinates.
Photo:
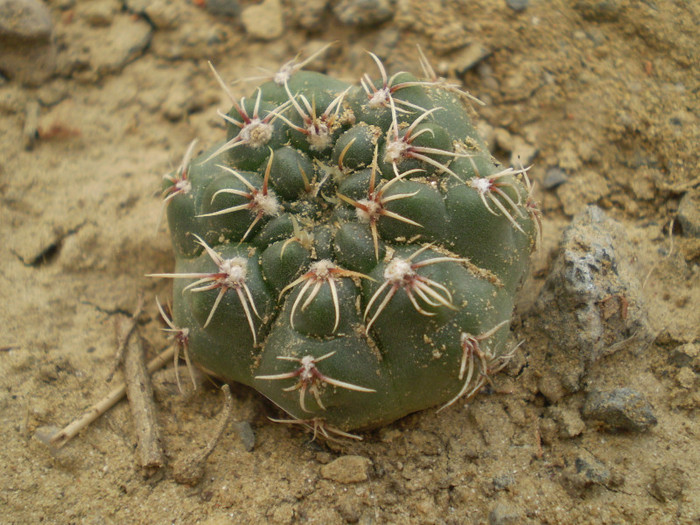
(351, 252)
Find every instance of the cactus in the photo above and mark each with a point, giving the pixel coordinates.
(350, 251)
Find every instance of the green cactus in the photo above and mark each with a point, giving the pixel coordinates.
(351, 252)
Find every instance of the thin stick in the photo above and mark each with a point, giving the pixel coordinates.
(139, 391)
(189, 470)
(123, 338)
(91, 414)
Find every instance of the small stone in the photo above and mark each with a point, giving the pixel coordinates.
(554, 178)
(347, 469)
(503, 513)
(599, 10)
(689, 214)
(569, 423)
(503, 481)
(686, 378)
(363, 12)
(504, 140)
(223, 7)
(264, 21)
(550, 387)
(620, 409)
(25, 19)
(122, 43)
(163, 14)
(685, 355)
(308, 14)
(467, 57)
(668, 483)
(584, 187)
(518, 5)
(101, 13)
(27, 52)
(245, 434)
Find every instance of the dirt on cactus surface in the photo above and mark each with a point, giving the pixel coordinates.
(600, 96)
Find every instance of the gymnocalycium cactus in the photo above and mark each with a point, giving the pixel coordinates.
(351, 252)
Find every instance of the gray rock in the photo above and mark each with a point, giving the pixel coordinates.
(223, 7)
(587, 472)
(27, 52)
(553, 178)
(363, 12)
(689, 213)
(518, 5)
(591, 304)
(245, 434)
(620, 409)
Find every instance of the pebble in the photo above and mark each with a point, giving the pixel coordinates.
(620, 409)
(121, 43)
(554, 178)
(308, 14)
(689, 214)
(599, 10)
(591, 304)
(503, 513)
(668, 483)
(264, 21)
(99, 14)
(223, 7)
(569, 423)
(518, 5)
(363, 12)
(245, 433)
(467, 58)
(163, 15)
(347, 469)
(27, 53)
(687, 354)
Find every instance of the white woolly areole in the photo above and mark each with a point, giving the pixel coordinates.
(256, 133)
(482, 185)
(380, 98)
(398, 270)
(235, 270)
(321, 268)
(308, 363)
(183, 186)
(373, 209)
(283, 75)
(319, 136)
(266, 204)
(395, 150)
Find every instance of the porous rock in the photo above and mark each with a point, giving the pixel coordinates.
(591, 304)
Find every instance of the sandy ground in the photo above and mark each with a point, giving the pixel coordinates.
(606, 92)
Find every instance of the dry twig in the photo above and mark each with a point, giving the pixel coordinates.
(139, 391)
(91, 414)
(189, 470)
